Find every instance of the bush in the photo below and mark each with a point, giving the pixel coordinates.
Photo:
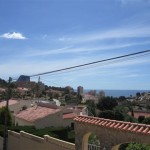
(146, 120)
(141, 119)
(137, 146)
(108, 114)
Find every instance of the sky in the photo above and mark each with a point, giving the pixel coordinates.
(44, 35)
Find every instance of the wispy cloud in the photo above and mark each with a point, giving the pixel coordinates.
(118, 33)
(14, 35)
(82, 49)
(47, 52)
(133, 1)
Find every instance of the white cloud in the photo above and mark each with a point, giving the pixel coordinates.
(64, 39)
(14, 35)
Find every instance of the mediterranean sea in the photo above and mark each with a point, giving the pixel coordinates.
(117, 93)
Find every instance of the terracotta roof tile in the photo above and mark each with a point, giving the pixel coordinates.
(34, 113)
(146, 130)
(108, 124)
(126, 126)
(116, 125)
(135, 128)
(140, 129)
(101, 122)
(131, 127)
(97, 122)
(120, 125)
(112, 124)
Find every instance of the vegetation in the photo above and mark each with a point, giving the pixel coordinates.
(146, 120)
(134, 146)
(107, 103)
(91, 108)
(3, 112)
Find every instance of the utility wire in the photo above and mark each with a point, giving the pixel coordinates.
(92, 63)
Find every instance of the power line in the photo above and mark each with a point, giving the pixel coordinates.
(92, 63)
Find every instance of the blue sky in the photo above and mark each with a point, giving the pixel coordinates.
(44, 35)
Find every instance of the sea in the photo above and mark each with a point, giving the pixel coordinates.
(117, 93)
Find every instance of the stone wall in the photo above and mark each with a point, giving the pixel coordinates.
(26, 141)
(1, 143)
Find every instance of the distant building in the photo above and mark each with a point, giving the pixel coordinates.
(80, 90)
(88, 97)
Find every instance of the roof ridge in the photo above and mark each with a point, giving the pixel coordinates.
(121, 125)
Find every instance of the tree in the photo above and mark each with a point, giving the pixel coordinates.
(3, 111)
(122, 98)
(146, 120)
(112, 114)
(107, 114)
(101, 94)
(91, 108)
(138, 94)
(119, 115)
(107, 103)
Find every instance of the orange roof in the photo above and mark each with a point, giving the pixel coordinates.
(119, 125)
(11, 102)
(34, 113)
(69, 116)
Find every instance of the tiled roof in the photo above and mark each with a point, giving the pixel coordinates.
(34, 113)
(11, 102)
(69, 116)
(114, 124)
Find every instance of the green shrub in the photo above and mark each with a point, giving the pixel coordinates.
(138, 146)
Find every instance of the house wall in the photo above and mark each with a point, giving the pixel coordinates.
(22, 122)
(67, 122)
(1, 143)
(54, 120)
(25, 141)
